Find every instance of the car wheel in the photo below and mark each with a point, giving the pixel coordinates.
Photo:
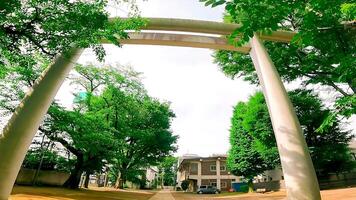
(200, 192)
(217, 192)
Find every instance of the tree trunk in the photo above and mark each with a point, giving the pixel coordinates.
(74, 178)
(250, 186)
(86, 182)
(122, 180)
(117, 182)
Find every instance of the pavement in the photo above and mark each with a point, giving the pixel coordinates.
(163, 195)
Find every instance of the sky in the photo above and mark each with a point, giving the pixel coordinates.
(201, 96)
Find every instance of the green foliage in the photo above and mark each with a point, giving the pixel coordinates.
(349, 11)
(243, 159)
(244, 188)
(168, 169)
(253, 143)
(185, 185)
(142, 126)
(50, 160)
(50, 27)
(322, 52)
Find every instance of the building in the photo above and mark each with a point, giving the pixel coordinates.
(151, 177)
(205, 171)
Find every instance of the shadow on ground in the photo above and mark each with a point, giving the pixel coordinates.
(52, 193)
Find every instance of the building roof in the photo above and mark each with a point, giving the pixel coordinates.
(193, 157)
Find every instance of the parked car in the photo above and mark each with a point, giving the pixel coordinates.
(208, 189)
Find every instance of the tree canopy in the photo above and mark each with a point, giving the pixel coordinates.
(253, 146)
(322, 51)
(168, 171)
(49, 27)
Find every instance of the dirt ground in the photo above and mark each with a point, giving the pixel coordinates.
(52, 193)
(336, 194)
(47, 193)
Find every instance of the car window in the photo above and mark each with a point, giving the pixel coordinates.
(203, 186)
(210, 186)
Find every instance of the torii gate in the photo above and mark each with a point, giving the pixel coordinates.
(298, 170)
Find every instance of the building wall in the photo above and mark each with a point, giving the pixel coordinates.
(52, 178)
(227, 183)
(205, 168)
(270, 175)
(204, 175)
(208, 181)
(193, 168)
(226, 172)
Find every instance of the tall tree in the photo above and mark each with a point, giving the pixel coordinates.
(142, 125)
(252, 132)
(243, 159)
(322, 52)
(85, 135)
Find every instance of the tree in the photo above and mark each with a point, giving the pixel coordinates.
(243, 159)
(43, 27)
(85, 135)
(86, 132)
(322, 51)
(168, 171)
(253, 143)
(142, 125)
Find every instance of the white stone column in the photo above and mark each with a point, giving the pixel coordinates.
(23, 125)
(199, 174)
(218, 181)
(300, 178)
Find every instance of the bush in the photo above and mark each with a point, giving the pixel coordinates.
(50, 160)
(64, 165)
(185, 185)
(244, 188)
(33, 159)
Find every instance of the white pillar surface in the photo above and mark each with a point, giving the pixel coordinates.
(300, 178)
(218, 181)
(199, 174)
(23, 125)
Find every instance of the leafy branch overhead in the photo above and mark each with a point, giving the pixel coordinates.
(322, 52)
(51, 27)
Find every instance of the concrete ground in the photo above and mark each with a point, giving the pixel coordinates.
(163, 195)
(46, 193)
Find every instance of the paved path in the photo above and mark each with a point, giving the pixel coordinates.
(163, 195)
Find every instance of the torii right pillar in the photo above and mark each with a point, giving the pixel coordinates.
(299, 174)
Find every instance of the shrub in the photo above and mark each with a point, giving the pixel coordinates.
(244, 188)
(185, 185)
(50, 160)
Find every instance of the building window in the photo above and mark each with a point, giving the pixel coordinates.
(222, 168)
(282, 177)
(212, 167)
(223, 184)
(233, 180)
(213, 184)
(193, 167)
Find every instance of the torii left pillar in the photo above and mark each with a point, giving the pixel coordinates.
(23, 125)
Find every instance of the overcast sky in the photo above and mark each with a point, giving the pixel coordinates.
(201, 96)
